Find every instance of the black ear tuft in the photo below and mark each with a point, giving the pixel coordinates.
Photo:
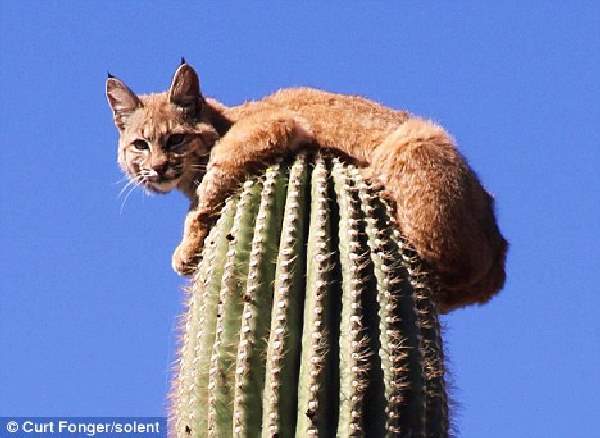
(182, 61)
(110, 76)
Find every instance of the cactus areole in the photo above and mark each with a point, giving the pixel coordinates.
(309, 316)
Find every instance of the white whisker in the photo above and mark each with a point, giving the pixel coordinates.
(123, 179)
(137, 180)
(125, 187)
(133, 187)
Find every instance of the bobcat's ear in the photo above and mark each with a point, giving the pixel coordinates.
(121, 99)
(185, 89)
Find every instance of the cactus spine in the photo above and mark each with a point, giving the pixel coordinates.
(309, 316)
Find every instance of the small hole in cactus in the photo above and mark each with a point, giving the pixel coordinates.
(188, 430)
(229, 237)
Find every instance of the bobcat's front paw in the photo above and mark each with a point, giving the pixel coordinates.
(186, 258)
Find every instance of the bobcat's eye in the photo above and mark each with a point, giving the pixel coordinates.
(175, 140)
(140, 144)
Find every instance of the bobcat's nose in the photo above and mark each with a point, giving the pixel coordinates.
(153, 176)
(156, 173)
(158, 168)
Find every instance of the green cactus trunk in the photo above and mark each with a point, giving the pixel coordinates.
(309, 316)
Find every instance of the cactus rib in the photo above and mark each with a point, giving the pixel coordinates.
(256, 314)
(400, 358)
(354, 363)
(424, 286)
(229, 310)
(314, 400)
(191, 396)
(279, 401)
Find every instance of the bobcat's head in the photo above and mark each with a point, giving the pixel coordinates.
(165, 138)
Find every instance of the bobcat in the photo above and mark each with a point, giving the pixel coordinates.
(166, 140)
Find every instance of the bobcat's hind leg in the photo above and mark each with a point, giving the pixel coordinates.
(443, 211)
(247, 146)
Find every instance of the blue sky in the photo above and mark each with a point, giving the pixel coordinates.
(89, 301)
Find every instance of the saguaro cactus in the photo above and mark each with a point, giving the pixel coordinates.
(309, 316)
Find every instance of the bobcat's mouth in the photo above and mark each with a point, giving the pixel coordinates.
(156, 182)
(162, 185)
